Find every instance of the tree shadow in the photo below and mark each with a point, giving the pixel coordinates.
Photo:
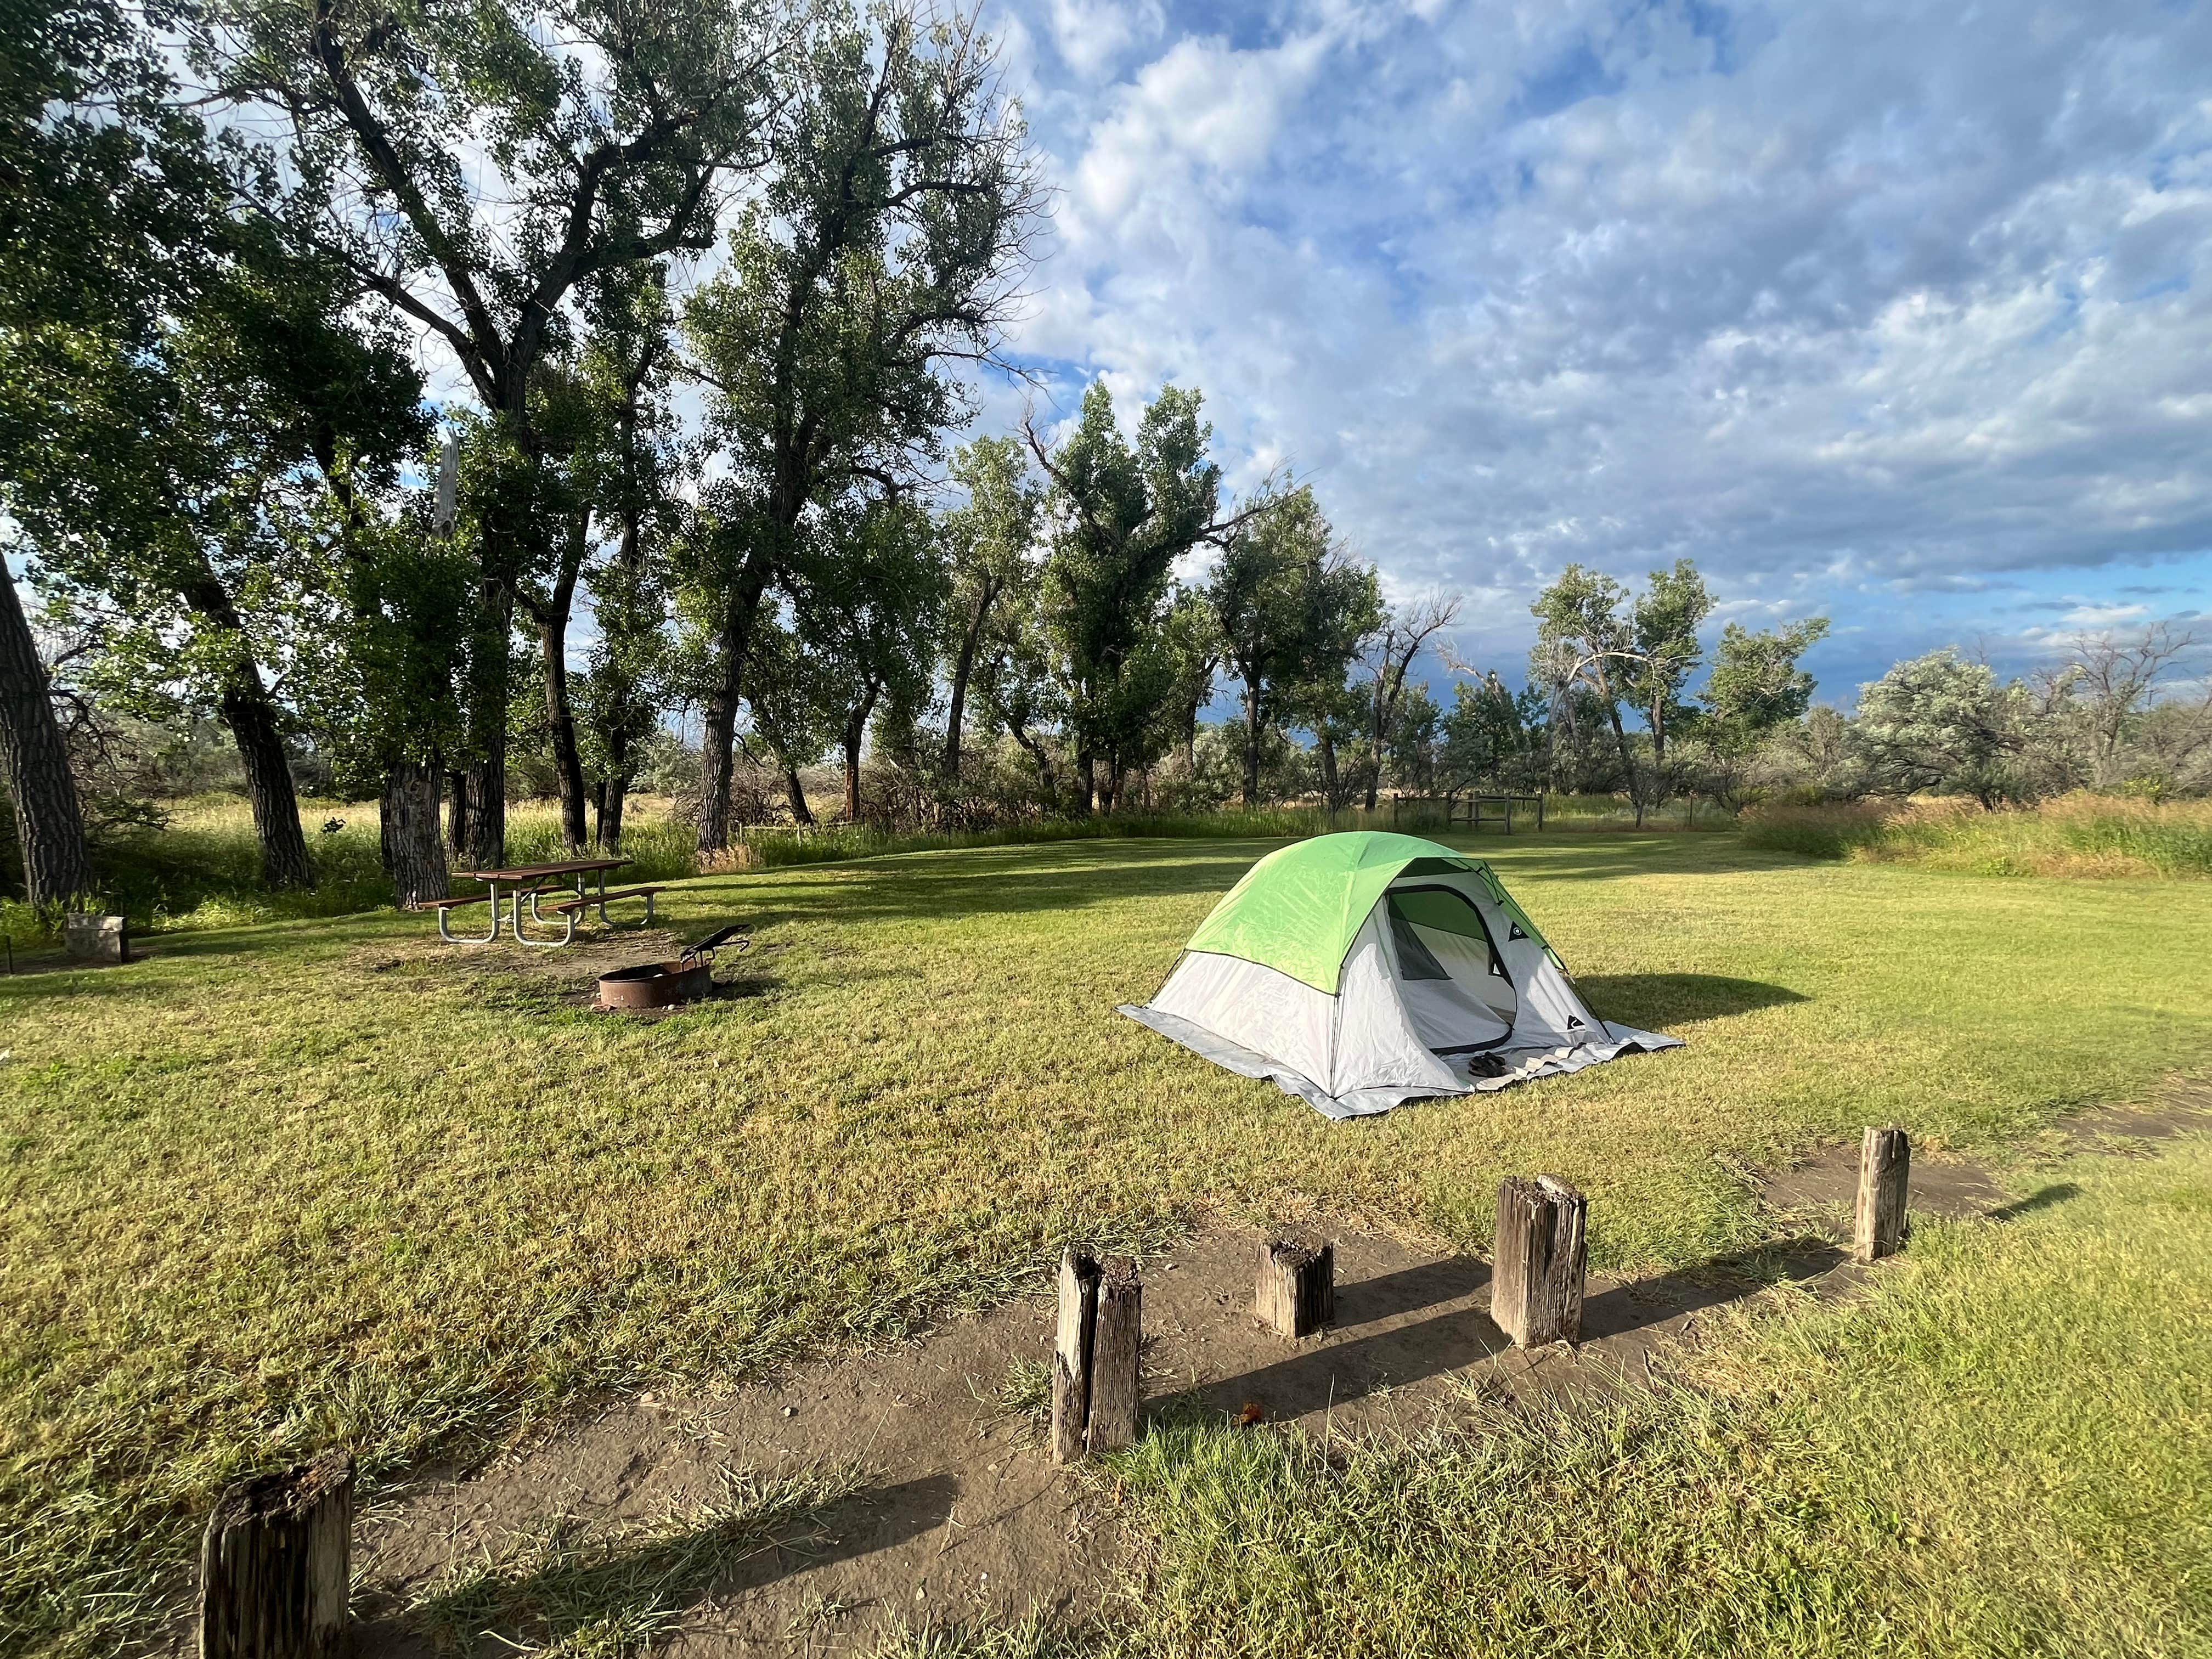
(1657, 1001)
(2042, 1199)
(627, 1591)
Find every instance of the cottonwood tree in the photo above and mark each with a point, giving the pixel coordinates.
(1290, 609)
(1755, 688)
(172, 495)
(887, 245)
(470, 167)
(988, 542)
(869, 590)
(630, 364)
(1192, 638)
(105, 185)
(1123, 512)
(49, 815)
(1017, 690)
(1396, 641)
(788, 691)
(1591, 637)
(1493, 733)
(1665, 619)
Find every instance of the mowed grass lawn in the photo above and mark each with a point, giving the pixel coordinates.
(321, 1182)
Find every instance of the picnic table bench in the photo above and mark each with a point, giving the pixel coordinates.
(527, 883)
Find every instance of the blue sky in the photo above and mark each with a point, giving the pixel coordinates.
(1897, 313)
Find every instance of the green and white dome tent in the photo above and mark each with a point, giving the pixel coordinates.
(1362, 970)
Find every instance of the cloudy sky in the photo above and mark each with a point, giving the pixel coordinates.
(1896, 312)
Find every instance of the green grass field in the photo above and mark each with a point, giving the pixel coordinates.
(320, 1182)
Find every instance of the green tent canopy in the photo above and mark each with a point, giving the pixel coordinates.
(1298, 908)
(1362, 970)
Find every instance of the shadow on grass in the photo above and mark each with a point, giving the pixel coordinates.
(2043, 1199)
(1656, 1001)
(625, 1591)
(1730, 1278)
(1333, 1372)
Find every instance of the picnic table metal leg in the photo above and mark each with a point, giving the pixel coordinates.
(448, 934)
(567, 918)
(445, 932)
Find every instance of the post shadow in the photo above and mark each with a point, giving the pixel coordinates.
(669, 1575)
(1407, 1290)
(1729, 1278)
(2042, 1199)
(1335, 1372)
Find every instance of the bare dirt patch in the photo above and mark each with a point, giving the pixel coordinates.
(959, 1515)
(1821, 1192)
(568, 976)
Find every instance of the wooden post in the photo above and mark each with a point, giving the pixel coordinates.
(276, 1565)
(1540, 811)
(1116, 1390)
(1070, 1355)
(1295, 1294)
(1536, 1283)
(1885, 1172)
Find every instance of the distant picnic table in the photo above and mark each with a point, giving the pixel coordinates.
(527, 883)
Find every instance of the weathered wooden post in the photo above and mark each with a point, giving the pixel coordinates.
(276, 1567)
(1070, 1355)
(1117, 1395)
(1542, 1255)
(1885, 1172)
(1097, 1395)
(1295, 1293)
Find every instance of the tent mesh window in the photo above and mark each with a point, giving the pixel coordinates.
(1441, 910)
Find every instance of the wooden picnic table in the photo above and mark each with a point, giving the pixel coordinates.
(528, 881)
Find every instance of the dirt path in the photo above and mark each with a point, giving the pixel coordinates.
(955, 1515)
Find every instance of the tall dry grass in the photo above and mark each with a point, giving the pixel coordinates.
(2080, 835)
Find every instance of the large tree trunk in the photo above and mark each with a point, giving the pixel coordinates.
(49, 817)
(795, 792)
(1086, 776)
(1251, 747)
(614, 793)
(414, 857)
(719, 740)
(964, 668)
(252, 723)
(1328, 747)
(247, 710)
(552, 614)
(856, 728)
(457, 816)
(1627, 757)
(561, 720)
(483, 821)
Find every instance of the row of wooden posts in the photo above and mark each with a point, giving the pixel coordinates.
(1539, 1270)
(276, 1563)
